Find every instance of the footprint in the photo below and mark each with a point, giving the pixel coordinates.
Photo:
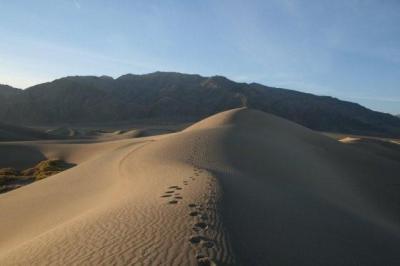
(195, 239)
(206, 262)
(204, 217)
(173, 202)
(172, 187)
(166, 196)
(196, 229)
(200, 256)
(198, 239)
(178, 197)
(208, 244)
(170, 191)
(193, 213)
(201, 226)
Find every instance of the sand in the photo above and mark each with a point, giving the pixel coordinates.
(13, 133)
(388, 148)
(239, 188)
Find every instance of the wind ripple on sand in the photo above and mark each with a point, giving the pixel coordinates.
(136, 226)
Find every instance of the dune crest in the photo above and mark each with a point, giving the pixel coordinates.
(239, 188)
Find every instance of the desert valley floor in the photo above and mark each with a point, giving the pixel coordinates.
(239, 188)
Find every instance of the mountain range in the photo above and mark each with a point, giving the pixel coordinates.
(177, 96)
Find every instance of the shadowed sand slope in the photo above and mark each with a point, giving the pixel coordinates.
(239, 188)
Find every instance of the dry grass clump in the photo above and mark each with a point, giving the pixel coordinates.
(8, 171)
(7, 174)
(46, 168)
(11, 178)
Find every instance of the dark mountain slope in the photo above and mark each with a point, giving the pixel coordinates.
(7, 91)
(8, 96)
(170, 95)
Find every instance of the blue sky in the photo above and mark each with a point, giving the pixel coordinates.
(348, 49)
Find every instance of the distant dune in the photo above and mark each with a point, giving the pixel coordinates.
(386, 148)
(63, 132)
(12, 133)
(239, 188)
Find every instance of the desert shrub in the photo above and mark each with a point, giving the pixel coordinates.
(8, 171)
(47, 168)
(8, 174)
(44, 174)
(40, 171)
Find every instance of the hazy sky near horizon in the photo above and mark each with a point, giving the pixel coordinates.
(348, 49)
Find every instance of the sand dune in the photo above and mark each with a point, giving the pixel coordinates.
(389, 149)
(239, 188)
(63, 132)
(25, 154)
(13, 133)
